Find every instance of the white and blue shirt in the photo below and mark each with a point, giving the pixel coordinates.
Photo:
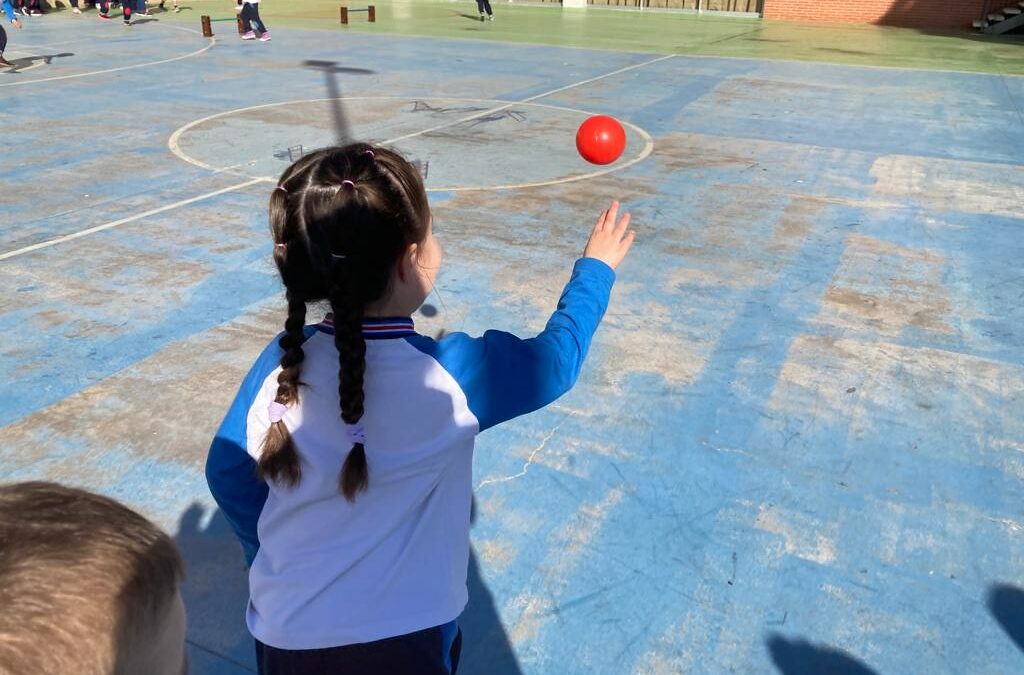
(326, 572)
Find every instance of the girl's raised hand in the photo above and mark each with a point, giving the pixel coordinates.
(610, 241)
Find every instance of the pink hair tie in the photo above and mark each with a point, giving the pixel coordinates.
(281, 188)
(356, 433)
(275, 411)
(348, 183)
(370, 153)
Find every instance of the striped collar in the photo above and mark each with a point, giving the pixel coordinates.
(375, 328)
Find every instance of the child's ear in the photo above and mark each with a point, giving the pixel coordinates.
(407, 263)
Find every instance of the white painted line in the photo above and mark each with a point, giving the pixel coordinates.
(484, 113)
(174, 145)
(129, 219)
(91, 73)
(644, 154)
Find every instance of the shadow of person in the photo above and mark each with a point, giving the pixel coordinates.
(485, 644)
(799, 657)
(1006, 603)
(216, 591)
(216, 588)
(19, 64)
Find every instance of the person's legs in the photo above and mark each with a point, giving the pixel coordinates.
(246, 13)
(3, 45)
(480, 8)
(126, 11)
(487, 6)
(258, 24)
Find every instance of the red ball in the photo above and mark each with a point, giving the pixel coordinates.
(601, 139)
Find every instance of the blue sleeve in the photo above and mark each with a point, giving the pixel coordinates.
(504, 376)
(8, 10)
(230, 471)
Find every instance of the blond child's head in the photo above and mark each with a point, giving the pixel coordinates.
(87, 586)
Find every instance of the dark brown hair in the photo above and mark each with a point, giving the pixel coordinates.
(341, 219)
(84, 582)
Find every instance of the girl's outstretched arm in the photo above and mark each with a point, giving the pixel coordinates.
(504, 376)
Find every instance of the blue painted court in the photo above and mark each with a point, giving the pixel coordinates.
(798, 443)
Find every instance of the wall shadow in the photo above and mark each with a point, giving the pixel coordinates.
(800, 657)
(917, 13)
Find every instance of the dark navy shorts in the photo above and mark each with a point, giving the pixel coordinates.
(434, 651)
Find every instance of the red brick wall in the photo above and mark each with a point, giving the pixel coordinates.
(916, 13)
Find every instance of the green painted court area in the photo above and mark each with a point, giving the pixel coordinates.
(662, 32)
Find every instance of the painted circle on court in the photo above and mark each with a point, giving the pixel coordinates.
(469, 144)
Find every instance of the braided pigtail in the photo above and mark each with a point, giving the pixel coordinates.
(348, 339)
(279, 460)
(341, 219)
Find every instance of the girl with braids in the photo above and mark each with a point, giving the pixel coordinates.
(344, 464)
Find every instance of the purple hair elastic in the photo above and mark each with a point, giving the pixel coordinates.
(348, 183)
(370, 153)
(356, 433)
(275, 411)
(281, 188)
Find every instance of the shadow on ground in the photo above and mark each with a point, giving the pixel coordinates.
(1006, 603)
(799, 657)
(19, 64)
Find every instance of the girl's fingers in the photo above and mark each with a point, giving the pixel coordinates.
(610, 215)
(627, 241)
(620, 227)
